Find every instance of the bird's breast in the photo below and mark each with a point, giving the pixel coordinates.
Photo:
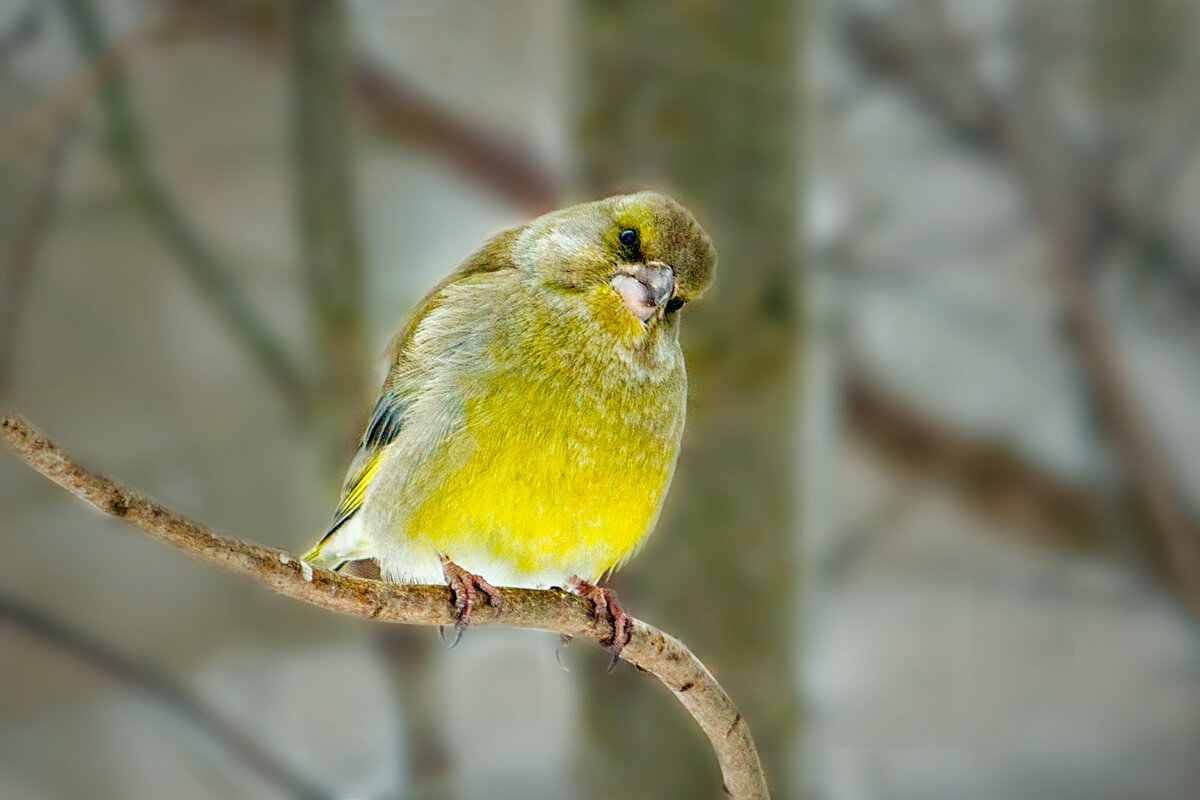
(560, 468)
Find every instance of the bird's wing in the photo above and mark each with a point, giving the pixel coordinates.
(406, 376)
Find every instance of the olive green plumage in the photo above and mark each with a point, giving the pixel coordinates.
(530, 419)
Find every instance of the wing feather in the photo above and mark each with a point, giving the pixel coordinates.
(404, 381)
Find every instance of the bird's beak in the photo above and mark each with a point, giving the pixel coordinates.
(644, 288)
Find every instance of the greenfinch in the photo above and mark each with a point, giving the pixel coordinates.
(531, 417)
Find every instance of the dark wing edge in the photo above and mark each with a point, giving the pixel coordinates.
(388, 418)
(386, 422)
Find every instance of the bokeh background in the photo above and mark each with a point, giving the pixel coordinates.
(935, 522)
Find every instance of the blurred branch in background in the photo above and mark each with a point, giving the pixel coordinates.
(213, 275)
(997, 480)
(1081, 217)
(892, 50)
(1074, 239)
(137, 676)
(40, 122)
(329, 248)
(20, 258)
(551, 610)
(395, 107)
(402, 112)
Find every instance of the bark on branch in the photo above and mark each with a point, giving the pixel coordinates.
(650, 649)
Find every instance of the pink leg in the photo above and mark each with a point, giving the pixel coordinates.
(465, 586)
(607, 609)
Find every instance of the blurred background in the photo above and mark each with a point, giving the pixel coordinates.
(935, 523)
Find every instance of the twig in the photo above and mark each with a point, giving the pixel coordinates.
(213, 275)
(402, 112)
(996, 479)
(330, 253)
(650, 650)
(20, 259)
(1071, 242)
(979, 116)
(40, 122)
(1154, 485)
(121, 668)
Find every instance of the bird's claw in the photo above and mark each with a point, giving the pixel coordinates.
(464, 588)
(607, 609)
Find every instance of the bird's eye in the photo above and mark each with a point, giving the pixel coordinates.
(674, 304)
(628, 237)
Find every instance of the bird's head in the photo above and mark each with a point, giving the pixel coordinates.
(634, 259)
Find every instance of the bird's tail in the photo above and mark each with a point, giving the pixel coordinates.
(346, 541)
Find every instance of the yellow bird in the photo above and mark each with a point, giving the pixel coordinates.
(529, 423)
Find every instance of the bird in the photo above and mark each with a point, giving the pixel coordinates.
(531, 416)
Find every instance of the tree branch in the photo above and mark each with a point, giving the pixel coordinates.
(979, 115)
(328, 238)
(555, 610)
(214, 276)
(402, 112)
(18, 266)
(51, 114)
(1072, 240)
(996, 479)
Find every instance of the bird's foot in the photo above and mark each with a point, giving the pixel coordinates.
(465, 587)
(607, 610)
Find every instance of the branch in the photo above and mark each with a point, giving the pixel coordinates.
(402, 112)
(1079, 216)
(994, 478)
(213, 275)
(981, 116)
(555, 610)
(1155, 488)
(124, 669)
(51, 114)
(328, 240)
(23, 253)
(1071, 239)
